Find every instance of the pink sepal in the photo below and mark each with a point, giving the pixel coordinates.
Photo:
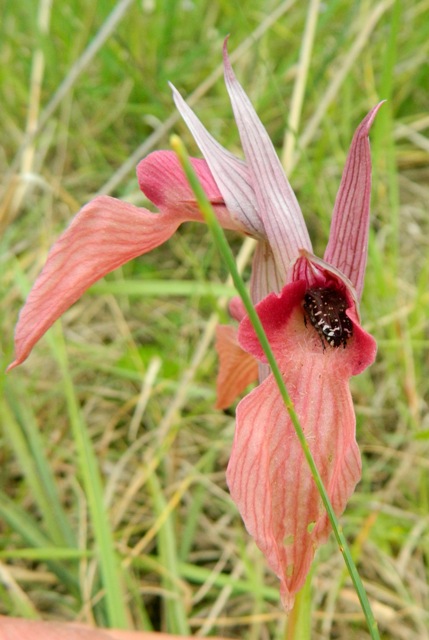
(347, 248)
(276, 202)
(237, 369)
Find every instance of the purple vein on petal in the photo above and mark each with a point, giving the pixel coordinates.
(348, 239)
(265, 277)
(277, 203)
(230, 173)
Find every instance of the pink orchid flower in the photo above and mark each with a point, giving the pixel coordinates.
(308, 306)
(311, 319)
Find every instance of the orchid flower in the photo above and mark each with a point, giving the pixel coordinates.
(309, 308)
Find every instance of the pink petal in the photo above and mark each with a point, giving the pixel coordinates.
(268, 476)
(104, 235)
(265, 276)
(237, 369)
(230, 173)
(277, 204)
(348, 240)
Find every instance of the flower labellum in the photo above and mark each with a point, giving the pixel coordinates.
(308, 307)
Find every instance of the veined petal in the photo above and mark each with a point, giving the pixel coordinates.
(348, 239)
(230, 173)
(237, 369)
(265, 276)
(104, 235)
(277, 204)
(268, 476)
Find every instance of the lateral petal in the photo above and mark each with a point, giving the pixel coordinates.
(104, 235)
(277, 204)
(348, 239)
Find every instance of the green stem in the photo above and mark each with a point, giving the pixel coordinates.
(299, 620)
(117, 615)
(225, 250)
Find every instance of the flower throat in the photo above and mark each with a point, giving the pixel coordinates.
(325, 308)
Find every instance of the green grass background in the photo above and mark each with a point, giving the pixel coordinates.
(113, 503)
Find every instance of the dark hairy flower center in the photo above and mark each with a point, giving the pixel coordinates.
(325, 308)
